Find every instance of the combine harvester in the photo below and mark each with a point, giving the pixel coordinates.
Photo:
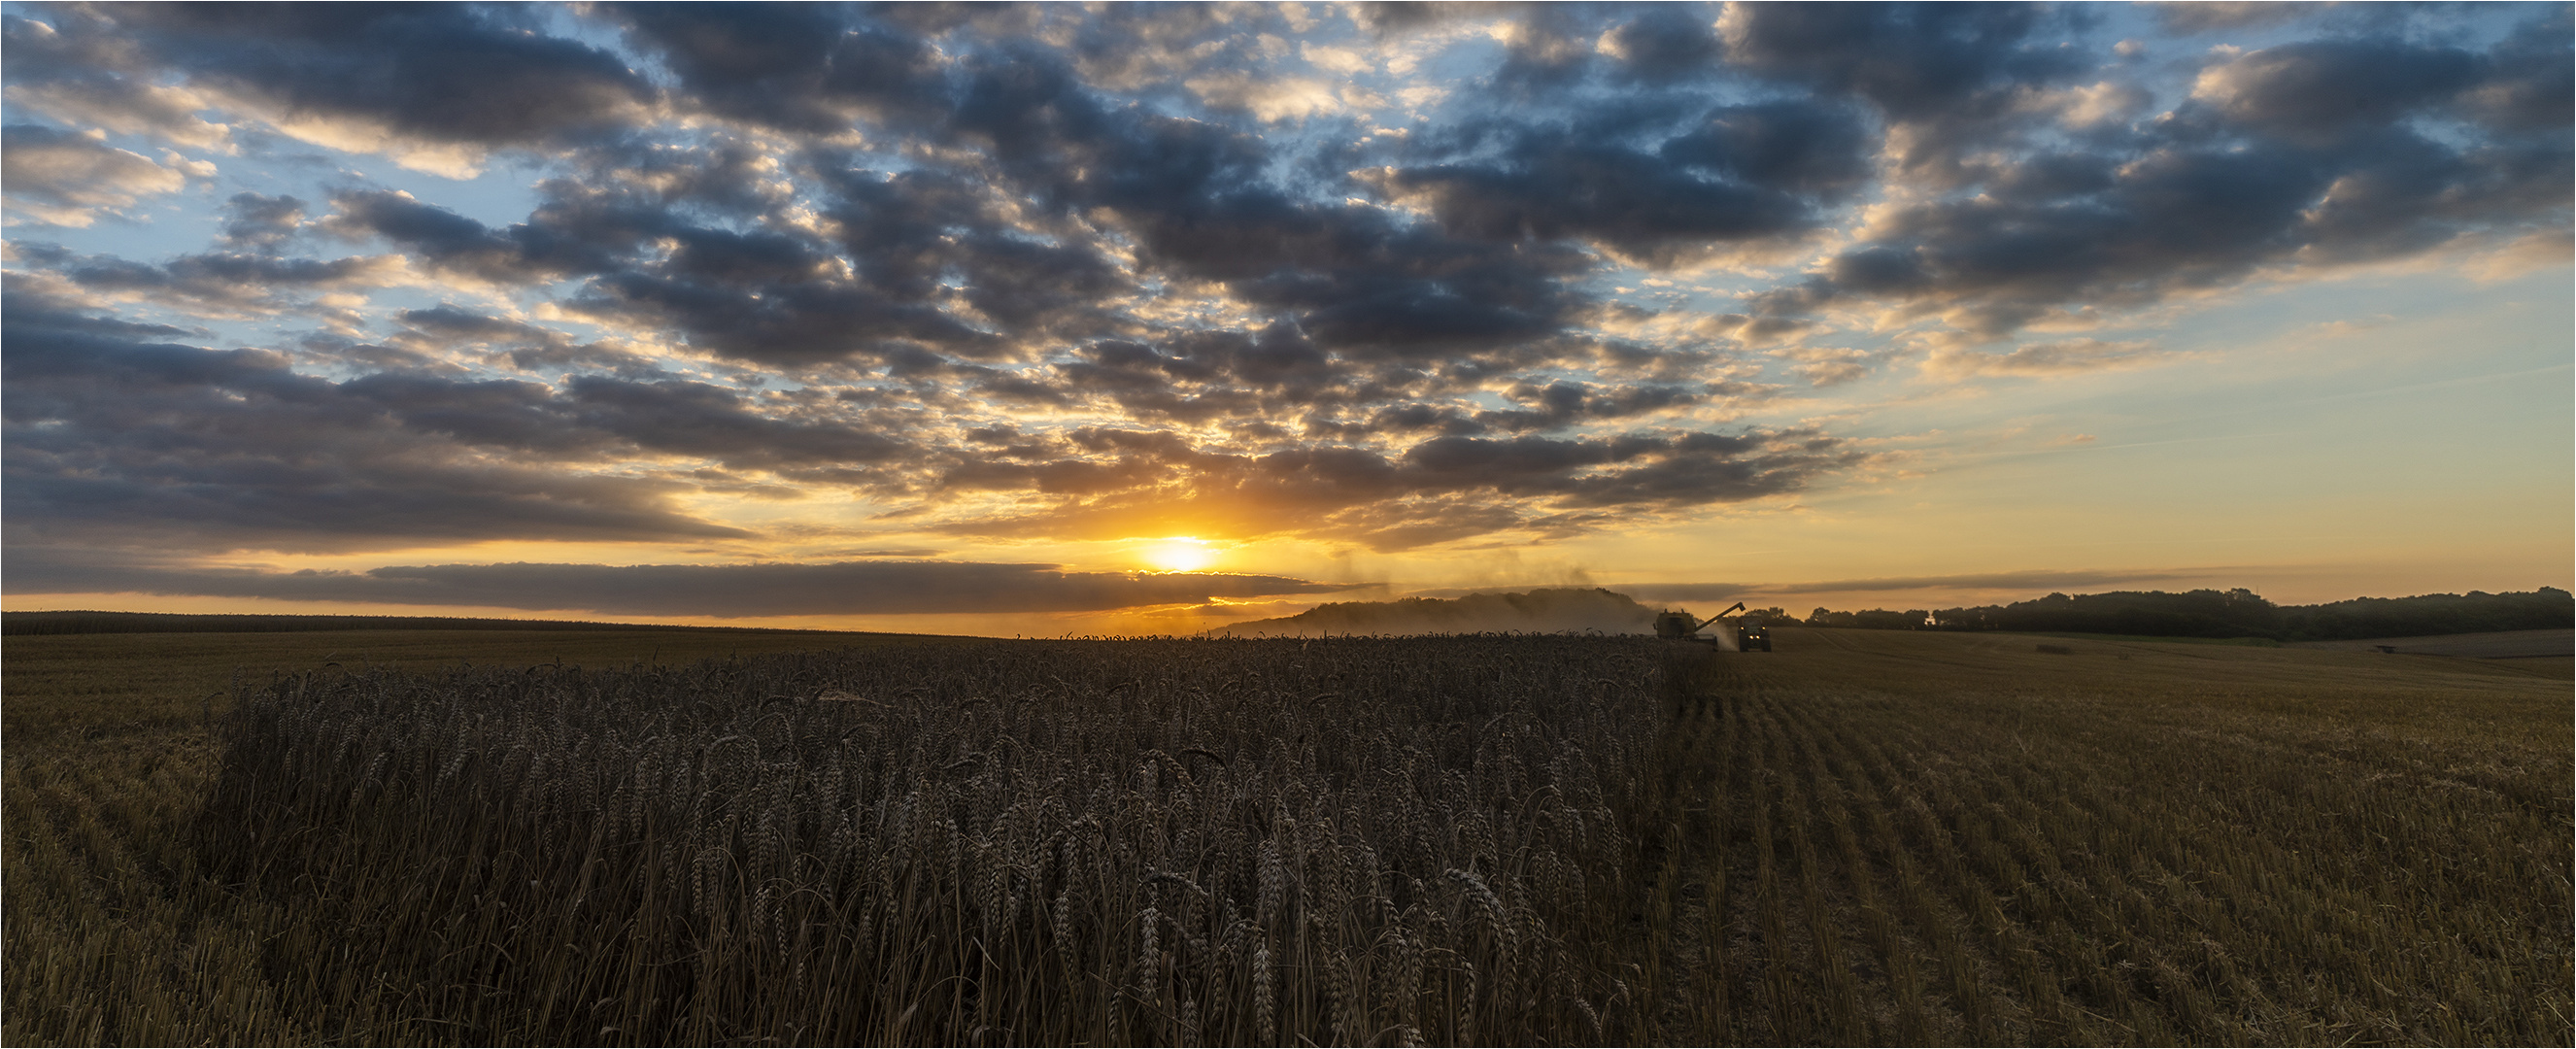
(1737, 636)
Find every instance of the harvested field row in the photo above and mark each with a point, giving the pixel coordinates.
(2074, 867)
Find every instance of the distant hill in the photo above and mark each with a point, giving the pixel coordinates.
(173, 622)
(1537, 611)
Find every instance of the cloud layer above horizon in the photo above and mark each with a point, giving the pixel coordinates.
(718, 282)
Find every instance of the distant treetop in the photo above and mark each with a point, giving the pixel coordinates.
(2235, 613)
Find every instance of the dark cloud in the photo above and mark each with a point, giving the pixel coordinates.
(2321, 91)
(1814, 150)
(799, 323)
(447, 240)
(1667, 42)
(727, 591)
(1143, 48)
(227, 280)
(257, 222)
(1374, 290)
(1950, 78)
(1637, 205)
(447, 73)
(2528, 82)
(803, 68)
(450, 322)
(695, 418)
(1912, 61)
(1392, 17)
(1564, 403)
(2297, 152)
(113, 431)
(1197, 200)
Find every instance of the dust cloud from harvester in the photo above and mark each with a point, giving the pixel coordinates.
(1540, 611)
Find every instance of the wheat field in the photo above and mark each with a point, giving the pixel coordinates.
(1864, 838)
(1909, 839)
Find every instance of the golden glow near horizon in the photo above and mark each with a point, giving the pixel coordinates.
(1179, 554)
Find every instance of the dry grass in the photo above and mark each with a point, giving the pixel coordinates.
(1865, 837)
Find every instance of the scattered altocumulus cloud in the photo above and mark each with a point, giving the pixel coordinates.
(2061, 357)
(332, 279)
(68, 179)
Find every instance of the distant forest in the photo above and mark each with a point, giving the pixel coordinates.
(177, 622)
(2228, 614)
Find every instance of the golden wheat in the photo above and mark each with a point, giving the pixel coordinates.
(1028, 843)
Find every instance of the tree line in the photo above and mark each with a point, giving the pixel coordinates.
(2236, 613)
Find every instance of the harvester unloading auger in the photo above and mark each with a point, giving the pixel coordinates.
(1749, 636)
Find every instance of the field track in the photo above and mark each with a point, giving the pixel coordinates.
(1868, 838)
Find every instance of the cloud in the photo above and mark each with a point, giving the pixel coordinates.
(2322, 90)
(1638, 206)
(2037, 579)
(228, 281)
(94, 78)
(2062, 357)
(2209, 16)
(1538, 611)
(117, 435)
(2178, 220)
(435, 88)
(1666, 43)
(68, 179)
(723, 591)
(260, 222)
(1813, 149)
(1129, 483)
(449, 241)
(1828, 365)
(1947, 79)
(115, 428)
(796, 68)
(1270, 99)
(2529, 78)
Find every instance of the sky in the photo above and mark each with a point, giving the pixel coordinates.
(1118, 319)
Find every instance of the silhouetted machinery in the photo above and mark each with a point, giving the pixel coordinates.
(1750, 635)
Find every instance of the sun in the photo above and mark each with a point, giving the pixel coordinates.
(1180, 553)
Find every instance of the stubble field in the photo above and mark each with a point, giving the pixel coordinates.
(1863, 837)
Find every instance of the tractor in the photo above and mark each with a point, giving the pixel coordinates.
(1749, 635)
